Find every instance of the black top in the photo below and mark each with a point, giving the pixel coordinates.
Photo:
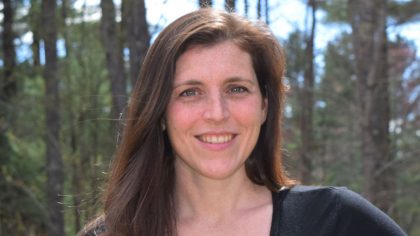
(324, 211)
(304, 210)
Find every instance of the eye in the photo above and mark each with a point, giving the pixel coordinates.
(189, 93)
(238, 89)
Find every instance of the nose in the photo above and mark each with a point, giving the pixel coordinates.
(216, 109)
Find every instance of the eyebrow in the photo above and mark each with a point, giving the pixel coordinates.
(229, 80)
(241, 79)
(188, 82)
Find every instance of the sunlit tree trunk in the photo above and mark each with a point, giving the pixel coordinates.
(368, 21)
(54, 164)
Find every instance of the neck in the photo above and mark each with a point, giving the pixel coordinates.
(199, 197)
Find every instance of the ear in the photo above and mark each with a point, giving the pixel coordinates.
(264, 110)
(163, 124)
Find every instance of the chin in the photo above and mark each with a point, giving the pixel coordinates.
(222, 173)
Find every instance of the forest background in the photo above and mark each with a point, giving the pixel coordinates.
(352, 116)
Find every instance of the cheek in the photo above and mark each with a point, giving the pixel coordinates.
(174, 116)
(251, 112)
(179, 117)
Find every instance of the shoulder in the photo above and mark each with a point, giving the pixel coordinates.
(94, 228)
(356, 211)
(330, 211)
(304, 210)
(306, 197)
(303, 191)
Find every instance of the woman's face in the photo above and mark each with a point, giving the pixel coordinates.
(215, 112)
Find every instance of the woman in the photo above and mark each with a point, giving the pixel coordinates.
(200, 153)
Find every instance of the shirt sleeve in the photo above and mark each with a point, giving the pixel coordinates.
(357, 216)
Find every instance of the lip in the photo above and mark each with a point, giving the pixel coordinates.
(216, 141)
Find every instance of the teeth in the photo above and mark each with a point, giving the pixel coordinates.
(216, 139)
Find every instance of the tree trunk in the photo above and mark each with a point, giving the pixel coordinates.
(34, 18)
(54, 164)
(64, 14)
(368, 21)
(76, 171)
(307, 103)
(205, 3)
(138, 37)
(267, 7)
(77, 177)
(76, 186)
(114, 57)
(8, 85)
(246, 6)
(35, 49)
(230, 5)
(259, 9)
(8, 88)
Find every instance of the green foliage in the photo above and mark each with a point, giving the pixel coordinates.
(88, 135)
(399, 12)
(404, 84)
(85, 110)
(86, 106)
(402, 12)
(336, 10)
(294, 49)
(336, 122)
(22, 186)
(21, 152)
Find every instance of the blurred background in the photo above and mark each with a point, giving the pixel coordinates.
(352, 116)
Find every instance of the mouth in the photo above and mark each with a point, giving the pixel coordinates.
(215, 139)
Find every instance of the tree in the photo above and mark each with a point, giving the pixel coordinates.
(137, 35)
(307, 101)
(8, 85)
(114, 57)
(246, 7)
(205, 3)
(230, 5)
(404, 75)
(369, 37)
(54, 162)
(403, 12)
(267, 16)
(260, 9)
(337, 136)
(34, 21)
(89, 143)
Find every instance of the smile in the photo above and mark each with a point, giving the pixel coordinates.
(216, 139)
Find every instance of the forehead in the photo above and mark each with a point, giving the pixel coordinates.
(217, 59)
(222, 48)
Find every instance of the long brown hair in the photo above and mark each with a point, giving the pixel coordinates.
(139, 196)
